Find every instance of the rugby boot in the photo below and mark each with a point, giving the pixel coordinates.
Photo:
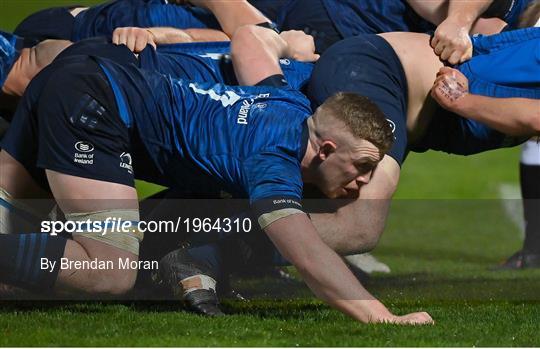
(189, 281)
(520, 260)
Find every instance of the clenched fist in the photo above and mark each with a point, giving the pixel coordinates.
(449, 89)
(301, 46)
(134, 38)
(451, 42)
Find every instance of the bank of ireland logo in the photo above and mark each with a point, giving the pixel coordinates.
(84, 147)
(126, 162)
(84, 153)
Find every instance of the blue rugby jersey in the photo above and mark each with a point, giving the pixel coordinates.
(199, 62)
(353, 17)
(248, 140)
(103, 19)
(202, 62)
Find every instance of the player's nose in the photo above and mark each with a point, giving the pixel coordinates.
(363, 179)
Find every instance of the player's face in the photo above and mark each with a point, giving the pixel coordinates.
(347, 168)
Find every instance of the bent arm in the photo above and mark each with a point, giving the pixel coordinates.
(255, 54)
(436, 11)
(357, 226)
(467, 11)
(231, 15)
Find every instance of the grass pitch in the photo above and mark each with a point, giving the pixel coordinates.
(447, 226)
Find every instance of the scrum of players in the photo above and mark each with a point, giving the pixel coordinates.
(270, 101)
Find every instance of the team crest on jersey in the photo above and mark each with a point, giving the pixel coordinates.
(126, 162)
(392, 125)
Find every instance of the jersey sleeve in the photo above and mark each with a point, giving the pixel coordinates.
(275, 186)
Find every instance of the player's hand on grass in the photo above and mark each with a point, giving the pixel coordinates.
(301, 46)
(451, 41)
(136, 39)
(450, 88)
(419, 318)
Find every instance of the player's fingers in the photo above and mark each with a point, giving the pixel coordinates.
(446, 53)
(130, 41)
(140, 43)
(439, 48)
(455, 58)
(439, 80)
(434, 41)
(117, 36)
(445, 70)
(421, 318)
(466, 56)
(122, 37)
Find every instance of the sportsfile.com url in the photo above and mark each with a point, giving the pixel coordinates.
(181, 224)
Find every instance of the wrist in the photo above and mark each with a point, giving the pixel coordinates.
(463, 105)
(463, 19)
(153, 35)
(374, 311)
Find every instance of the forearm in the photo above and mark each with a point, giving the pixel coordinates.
(167, 35)
(434, 11)
(323, 270)
(331, 280)
(255, 53)
(232, 14)
(512, 116)
(467, 11)
(203, 35)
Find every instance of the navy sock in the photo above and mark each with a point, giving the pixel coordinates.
(21, 256)
(530, 190)
(210, 256)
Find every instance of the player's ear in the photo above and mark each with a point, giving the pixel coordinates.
(327, 147)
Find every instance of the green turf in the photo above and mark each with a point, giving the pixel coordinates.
(446, 227)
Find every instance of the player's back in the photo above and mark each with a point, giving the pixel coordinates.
(212, 62)
(203, 133)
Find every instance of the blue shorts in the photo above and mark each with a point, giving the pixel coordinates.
(503, 66)
(101, 20)
(453, 134)
(329, 21)
(69, 123)
(366, 65)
